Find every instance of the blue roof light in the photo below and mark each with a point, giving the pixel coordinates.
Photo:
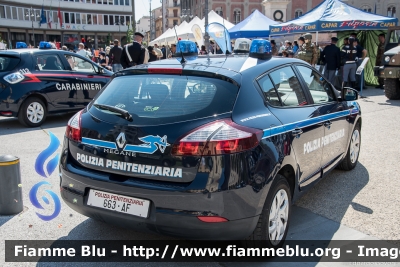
(45, 45)
(261, 49)
(21, 45)
(187, 48)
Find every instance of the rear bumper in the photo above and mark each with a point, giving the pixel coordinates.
(170, 216)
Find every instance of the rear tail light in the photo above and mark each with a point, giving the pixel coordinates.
(14, 78)
(217, 138)
(73, 131)
(212, 219)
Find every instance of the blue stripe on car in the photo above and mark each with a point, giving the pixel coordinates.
(95, 142)
(306, 123)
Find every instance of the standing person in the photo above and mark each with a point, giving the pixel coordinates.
(133, 54)
(172, 51)
(379, 57)
(361, 54)
(274, 48)
(158, 52)
(331, 57)
(348, 55)
(81, 50)
(164, 51)
(307, 51)
(152, 54)
(295, 46)
(345, 42)
(203, 50)
(115, 56)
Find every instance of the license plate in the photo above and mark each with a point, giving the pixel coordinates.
(129, 205)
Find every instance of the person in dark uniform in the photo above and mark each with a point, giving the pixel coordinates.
(136, 52)
(379, 57)
(331, 57)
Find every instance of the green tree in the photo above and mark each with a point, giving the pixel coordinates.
(129, 33)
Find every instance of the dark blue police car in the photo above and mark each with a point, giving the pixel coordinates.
(211, 148)
(38, 82)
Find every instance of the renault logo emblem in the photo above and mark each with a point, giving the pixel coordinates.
(121, 140)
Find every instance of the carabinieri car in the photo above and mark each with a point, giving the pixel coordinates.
(36, 82)
(208, 147)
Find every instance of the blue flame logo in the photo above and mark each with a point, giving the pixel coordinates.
(45, 154)
(35, 201)
(51, 166)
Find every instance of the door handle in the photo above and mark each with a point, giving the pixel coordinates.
(328, 124)
(297, 132)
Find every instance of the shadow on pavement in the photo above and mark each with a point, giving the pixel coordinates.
(331, 198)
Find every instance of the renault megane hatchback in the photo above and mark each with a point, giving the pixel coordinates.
(208, 147)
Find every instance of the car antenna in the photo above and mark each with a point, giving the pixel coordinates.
(183, 60)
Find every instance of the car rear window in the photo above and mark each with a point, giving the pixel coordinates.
(168, 98)
(8, 63)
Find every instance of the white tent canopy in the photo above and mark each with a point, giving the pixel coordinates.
(214, 17)
(184, 30)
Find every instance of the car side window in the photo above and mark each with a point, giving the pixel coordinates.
(269, 91)
(48, 62)
(288, 87)
(319, 88)
(79, 64)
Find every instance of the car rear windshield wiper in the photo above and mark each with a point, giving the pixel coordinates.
(120, 111)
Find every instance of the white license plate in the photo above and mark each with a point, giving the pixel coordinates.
(119, 203)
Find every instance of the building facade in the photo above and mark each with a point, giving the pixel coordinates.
(143, 25)
(292, 9)
(158, 21)
(97, 22)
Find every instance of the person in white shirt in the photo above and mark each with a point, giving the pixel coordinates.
(158, 52)
(81, 50)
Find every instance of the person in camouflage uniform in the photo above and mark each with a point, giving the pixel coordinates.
(379, 57)
(307, 51)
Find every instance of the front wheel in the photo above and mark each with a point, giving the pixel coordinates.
(273, 224)
(392, 89)
(32, 113)
(353, 152)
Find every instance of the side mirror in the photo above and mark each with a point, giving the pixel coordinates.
(350, 94)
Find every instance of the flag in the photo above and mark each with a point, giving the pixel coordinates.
(198, 35)
(220, 34)
(42, 17)
(59, 16)
(50, 16)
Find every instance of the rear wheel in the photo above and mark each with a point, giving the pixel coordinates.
(351, 159)
(273, 224)
(32, 113)
(392, 89)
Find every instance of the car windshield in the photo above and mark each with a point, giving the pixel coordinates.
(168, 98)
(8, 63)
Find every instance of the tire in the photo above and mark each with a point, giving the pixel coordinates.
(392, 89)
(262, 234)
(353, 152)
(32, 113)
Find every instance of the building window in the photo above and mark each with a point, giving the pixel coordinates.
(175, 22)
(2, 12)
(219, 11)
(105, 19)
(66, 17)
(78, 18)
(298, 13)
(391, 12)
(236, 16)
(366, 8)
(175, 12)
